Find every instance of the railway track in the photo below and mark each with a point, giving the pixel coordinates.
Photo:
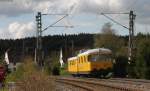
(132, 80)
(92, 84)
(140, 83)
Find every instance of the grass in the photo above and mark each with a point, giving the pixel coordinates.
(30, 78)
(64, 71)
(4, 89)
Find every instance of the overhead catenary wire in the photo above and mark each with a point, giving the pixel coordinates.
(52, 25)
(55, 14)
(131, 30)
(113, 19)
(116, 13)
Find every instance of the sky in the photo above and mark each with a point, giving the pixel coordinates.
(17, 17)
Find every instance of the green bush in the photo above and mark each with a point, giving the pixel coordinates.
(64, 70)
(143, 59)
(56, 70)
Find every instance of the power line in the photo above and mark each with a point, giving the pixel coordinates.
(104, 14)
(52, 25)
(116, 13)
(55, 14)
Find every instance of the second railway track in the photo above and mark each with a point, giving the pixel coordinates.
(92, 84)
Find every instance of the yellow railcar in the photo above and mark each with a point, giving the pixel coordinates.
(95, 62)
(72, 65)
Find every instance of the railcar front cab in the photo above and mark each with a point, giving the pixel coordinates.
(101, 63)
(72, 65)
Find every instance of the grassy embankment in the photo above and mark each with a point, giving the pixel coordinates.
(30, 78)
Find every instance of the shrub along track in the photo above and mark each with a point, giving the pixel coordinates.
(93, 84)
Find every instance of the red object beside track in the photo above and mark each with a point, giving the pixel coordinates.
(2, 73)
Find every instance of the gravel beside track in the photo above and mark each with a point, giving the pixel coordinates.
(93, 84)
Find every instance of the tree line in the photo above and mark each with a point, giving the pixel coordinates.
(19, 48)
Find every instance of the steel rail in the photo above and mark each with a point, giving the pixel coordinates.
(99, 84)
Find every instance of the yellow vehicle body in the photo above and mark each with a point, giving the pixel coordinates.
(82, 64)
(101, 65)
(72, 65)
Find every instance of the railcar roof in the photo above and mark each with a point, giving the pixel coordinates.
(72, 58)
(97, 50)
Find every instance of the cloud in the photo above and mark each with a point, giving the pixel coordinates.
(17, 7)
(20, 7)
(18, 30)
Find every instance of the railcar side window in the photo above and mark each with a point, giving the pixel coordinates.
(79, 60)
(96, 57)
(83, 59)
(69, 63)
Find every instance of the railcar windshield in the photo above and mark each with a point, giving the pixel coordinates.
(97, 57)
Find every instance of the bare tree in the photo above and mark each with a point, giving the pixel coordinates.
(108, 38)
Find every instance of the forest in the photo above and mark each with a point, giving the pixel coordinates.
(26, 47)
